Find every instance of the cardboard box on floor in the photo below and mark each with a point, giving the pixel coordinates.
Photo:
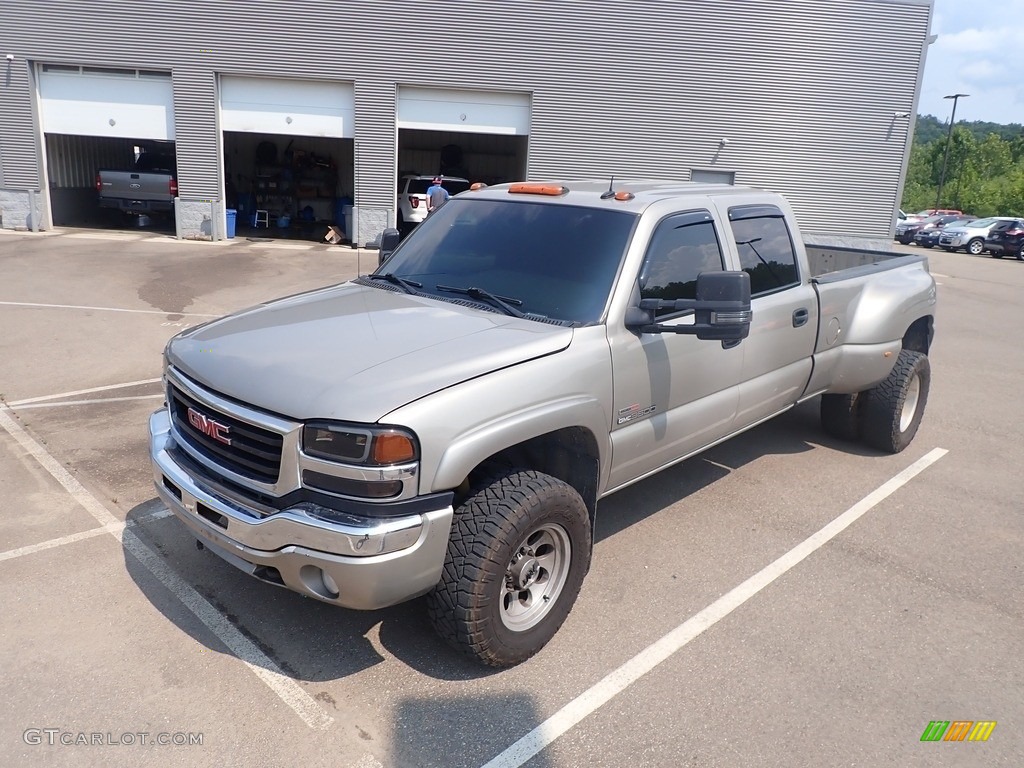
(335, 235)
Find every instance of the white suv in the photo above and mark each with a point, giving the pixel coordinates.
(412, 197)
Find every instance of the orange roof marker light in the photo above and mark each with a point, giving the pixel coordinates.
(622, 195)
(476, 186)
(529, 188)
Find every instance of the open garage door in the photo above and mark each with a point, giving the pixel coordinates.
(478, 135)
(97, 119)
(288, 154)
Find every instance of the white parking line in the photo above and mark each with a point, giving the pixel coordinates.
(97, 401)
(42, 546)
(242, 647)
(125, 385)
(40, 233)
(191, 241)
(103, 309)
(105, 236)
(286, 246)
(620, 679)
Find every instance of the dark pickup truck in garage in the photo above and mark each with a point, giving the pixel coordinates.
(150, 187)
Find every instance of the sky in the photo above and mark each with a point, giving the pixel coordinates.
(979, 52)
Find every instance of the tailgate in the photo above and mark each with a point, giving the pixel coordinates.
(135, 185)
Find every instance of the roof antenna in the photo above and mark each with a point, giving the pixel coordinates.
(611, 191)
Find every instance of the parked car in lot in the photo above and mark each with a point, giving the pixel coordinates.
(938, 212)
(928, 236)
(970, 237)
(412, 197)
(907, 231)
(1006, 238)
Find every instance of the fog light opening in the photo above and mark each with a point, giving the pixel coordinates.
(319, 582)
(330, 584)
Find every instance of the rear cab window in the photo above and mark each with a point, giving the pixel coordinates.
(765, 248)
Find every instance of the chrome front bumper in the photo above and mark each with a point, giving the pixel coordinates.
(365, 563)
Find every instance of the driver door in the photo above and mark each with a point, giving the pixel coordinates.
(672, 393)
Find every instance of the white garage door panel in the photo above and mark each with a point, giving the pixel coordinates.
(98, 105)
(464, 111)
(295, 107)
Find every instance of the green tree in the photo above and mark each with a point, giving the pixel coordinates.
(984, 173)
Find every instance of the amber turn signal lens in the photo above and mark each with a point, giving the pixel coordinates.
(392, 448)
(526, 188)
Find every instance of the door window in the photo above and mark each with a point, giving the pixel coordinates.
(683, 246)
(765, 248)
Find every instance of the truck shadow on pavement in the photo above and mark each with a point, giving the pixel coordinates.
(796, 431)
(302, 637)
(316, 642)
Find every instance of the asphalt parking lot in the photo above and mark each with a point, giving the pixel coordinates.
(117, 633)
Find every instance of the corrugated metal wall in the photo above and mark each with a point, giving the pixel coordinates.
(375, 137)
(196, 134)
(20, 157)
(804, 90)
(72, 161)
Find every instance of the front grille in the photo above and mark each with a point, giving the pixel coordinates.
(254, 452)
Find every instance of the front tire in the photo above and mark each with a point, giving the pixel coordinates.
(520, 546)
(892, 410)
(1020, 252)
(976, 247)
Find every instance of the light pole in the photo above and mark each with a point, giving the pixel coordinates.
(949, 138)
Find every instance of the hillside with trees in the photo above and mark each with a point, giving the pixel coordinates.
(984, 174)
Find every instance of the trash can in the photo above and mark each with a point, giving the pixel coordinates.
(232, 214)
(346, 212)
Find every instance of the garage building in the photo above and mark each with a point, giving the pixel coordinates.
(303, 114)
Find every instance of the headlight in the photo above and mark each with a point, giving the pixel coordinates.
(365, 445)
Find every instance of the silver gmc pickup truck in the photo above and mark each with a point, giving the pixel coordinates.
(447, 425)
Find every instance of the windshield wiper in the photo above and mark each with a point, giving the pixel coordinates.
(504, 302)
(409, 286)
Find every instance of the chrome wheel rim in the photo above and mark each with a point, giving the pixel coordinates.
(534, 577)
(976, 247)
(910, 403)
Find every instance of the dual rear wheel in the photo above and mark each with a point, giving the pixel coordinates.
(887, 416)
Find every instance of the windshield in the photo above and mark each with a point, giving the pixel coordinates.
(981, 223)
(559, 261)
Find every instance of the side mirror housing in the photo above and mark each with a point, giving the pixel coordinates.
(721, 310)
(389, 241)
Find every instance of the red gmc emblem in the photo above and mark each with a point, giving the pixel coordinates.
(209, 427)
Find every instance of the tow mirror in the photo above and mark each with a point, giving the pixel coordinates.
(389, 241)
(721, 310)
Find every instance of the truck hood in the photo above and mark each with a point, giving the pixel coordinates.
(354, 352)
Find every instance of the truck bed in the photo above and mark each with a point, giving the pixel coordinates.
(829, 263)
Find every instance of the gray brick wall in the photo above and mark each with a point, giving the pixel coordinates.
(16, 209)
